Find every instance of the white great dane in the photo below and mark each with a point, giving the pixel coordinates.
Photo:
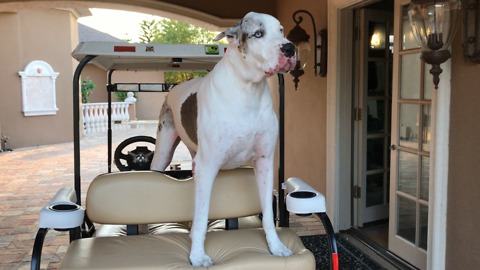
(226, 119)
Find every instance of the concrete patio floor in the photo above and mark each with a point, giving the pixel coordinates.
(29, 178)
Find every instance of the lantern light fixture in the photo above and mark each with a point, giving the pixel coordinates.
(433, 24)
(300, 38)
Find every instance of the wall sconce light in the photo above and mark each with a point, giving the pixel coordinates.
(471, 30)
(301, 40)
(433, 24)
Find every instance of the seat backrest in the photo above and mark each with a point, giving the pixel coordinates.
(147, 197)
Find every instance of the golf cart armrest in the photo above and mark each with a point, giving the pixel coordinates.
(302, 198)
(61, 213)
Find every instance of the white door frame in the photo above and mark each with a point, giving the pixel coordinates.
(338, 143)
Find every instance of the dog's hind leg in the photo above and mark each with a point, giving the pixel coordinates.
(167, 140)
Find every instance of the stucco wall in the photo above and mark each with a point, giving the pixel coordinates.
(35, 34)
(464, 170)
(305, 109)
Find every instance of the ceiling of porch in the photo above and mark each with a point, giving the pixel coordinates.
(211, 14)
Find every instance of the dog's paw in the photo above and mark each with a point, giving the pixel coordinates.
(201, 260)
(280, 250)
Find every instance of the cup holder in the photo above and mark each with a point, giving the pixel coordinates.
(303, 194)
(64, 207)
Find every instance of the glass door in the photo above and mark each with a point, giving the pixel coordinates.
(411, 136)
(373, 115)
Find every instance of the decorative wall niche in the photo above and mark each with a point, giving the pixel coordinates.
(38, 89)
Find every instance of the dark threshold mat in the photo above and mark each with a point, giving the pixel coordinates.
(349, 256)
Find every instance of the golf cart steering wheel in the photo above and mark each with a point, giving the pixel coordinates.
(138, 159)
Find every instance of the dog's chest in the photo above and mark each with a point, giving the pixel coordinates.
(239, 139)
(238, 149)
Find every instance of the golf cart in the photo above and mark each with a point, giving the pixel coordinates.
(154, 209)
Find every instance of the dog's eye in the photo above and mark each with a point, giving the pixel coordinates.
(258, 34)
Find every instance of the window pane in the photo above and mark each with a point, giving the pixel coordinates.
(376, 78)
(388, 186)
(409, 125)
(378, 39)
(375, 189)
(408, 40)
(424, 182)
(390, 78)
(428, 83)
(407, 173)
(426, 127)
(389, 139)
(375, 154)
(423, 226)
(406, 219)
(410, 78)
(376, 116)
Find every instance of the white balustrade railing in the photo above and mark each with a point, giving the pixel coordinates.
(95, 116)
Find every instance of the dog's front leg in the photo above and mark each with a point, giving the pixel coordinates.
(264, 176)
(204, 178)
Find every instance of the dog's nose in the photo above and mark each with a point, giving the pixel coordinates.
(288, 49)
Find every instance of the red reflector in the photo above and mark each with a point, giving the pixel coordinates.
(124, 48)
(225, 50)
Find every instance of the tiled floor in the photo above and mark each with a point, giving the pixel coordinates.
(29, 177)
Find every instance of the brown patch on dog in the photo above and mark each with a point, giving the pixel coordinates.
(188, 116)
(166, 118)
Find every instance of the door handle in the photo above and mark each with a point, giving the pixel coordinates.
(393, 147)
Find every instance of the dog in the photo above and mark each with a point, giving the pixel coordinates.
(226, 119)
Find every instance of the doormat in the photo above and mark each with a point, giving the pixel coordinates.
(349, 256)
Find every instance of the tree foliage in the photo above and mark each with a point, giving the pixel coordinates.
(149, 30)
(175, 32)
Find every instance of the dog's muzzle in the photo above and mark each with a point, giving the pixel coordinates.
(286, 59)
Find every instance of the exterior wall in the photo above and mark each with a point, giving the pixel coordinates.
(36, 34)
(305, 109)
(463, 179)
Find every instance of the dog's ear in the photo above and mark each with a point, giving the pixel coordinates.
(232, 34)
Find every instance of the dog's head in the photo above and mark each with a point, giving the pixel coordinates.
(260, 40)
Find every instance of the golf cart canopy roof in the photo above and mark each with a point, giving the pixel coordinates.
(143, 56)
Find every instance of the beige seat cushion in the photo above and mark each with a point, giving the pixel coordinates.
(239, 249)
(148, 197)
